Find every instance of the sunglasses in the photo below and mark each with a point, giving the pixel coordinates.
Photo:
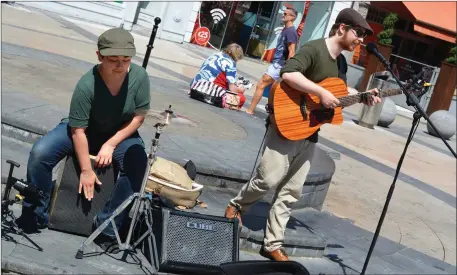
(359, 33)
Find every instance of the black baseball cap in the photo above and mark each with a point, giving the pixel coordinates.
(351, 17)
(116, 42)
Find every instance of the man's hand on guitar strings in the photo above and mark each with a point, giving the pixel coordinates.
(372, 100)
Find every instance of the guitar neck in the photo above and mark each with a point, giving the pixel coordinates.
(349, 100)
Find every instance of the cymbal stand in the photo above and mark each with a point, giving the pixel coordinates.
(141, 207)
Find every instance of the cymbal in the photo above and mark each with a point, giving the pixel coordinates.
(173, 118)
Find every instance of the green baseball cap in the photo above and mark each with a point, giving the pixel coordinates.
(116, 42)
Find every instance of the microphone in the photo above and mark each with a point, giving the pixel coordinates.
(371, 48)
(28, 190)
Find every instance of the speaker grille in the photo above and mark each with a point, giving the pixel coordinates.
(199, 241)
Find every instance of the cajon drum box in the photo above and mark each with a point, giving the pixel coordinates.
(71, 212)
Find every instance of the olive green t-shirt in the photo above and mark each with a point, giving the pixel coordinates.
(314, 61)
(92, 105)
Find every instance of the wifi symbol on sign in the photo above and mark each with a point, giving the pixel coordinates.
(217, 15)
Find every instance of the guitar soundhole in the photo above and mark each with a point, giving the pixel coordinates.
(303, 107)
(321, 115)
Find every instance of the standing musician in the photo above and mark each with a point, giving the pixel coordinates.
(286, 163)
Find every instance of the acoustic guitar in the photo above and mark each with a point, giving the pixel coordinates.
(298, 115)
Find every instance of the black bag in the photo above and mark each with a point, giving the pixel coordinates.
(263, 268)
(208, 92)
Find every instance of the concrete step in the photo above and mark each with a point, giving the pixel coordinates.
(299, 241)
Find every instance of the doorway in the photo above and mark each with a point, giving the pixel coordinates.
(261, 31)
(250, 26)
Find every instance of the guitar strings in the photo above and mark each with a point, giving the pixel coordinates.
(355, 98)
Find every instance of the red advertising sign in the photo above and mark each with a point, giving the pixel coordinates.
(202, 36)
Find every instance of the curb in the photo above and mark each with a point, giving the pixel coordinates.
(314, 188)
(403, 114)
(30, 133)
(20, 266)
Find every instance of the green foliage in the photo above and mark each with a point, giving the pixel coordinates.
(385, 36)
(452, 59)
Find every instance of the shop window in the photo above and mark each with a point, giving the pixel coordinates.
(214, 15)
(266, 9)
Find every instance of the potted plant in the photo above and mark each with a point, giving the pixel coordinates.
(445, 86)
(385, 36)
(384, 47)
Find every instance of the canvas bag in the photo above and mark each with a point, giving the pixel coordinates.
(171, 172)
(231, 101)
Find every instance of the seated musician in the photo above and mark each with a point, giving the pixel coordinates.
(108, 105)
(218, 69)
(285, 163)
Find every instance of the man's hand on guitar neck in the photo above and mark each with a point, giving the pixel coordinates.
(372, 100)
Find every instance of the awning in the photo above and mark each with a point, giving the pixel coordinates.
(430, 31)
(436, 19)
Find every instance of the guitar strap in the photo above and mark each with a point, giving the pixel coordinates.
(342, 67)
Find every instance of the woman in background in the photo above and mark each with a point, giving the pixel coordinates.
(215, 82)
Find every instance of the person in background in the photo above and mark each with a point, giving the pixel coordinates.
(217, 75)
(285, 49)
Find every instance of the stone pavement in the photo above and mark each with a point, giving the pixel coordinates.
(345, 251)
(43, 56)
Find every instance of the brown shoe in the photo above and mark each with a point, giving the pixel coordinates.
(276, 255)
(231, 212)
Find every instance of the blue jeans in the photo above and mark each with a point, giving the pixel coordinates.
(129, 158)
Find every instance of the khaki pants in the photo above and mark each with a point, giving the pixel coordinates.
(284, 165)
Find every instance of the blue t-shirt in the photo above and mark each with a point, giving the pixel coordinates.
(288, 35)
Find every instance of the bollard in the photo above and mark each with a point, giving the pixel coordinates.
(369, 115)
(157, 21)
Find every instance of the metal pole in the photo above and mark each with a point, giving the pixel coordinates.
(226, 25)
(157, 21)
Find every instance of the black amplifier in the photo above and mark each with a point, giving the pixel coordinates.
(193, 243)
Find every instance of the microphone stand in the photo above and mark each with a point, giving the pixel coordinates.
(411, 100)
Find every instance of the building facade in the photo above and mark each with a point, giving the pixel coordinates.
(419, 35)
(254, 25)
